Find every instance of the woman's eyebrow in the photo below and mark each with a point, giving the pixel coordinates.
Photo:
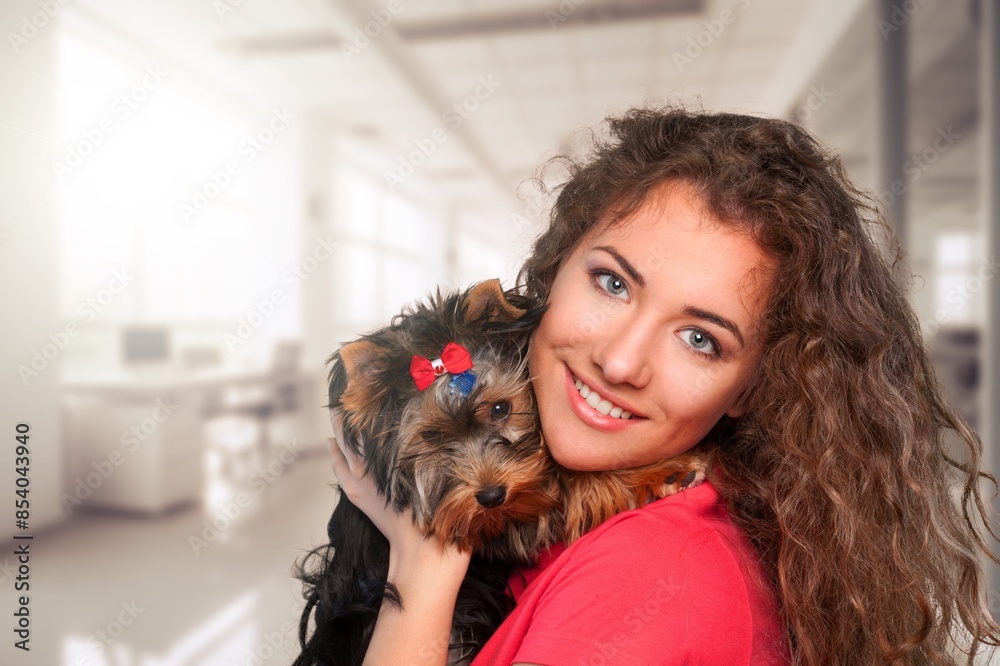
(623, 262)
(716, 319)
(690, 310)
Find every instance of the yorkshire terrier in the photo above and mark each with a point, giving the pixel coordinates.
(457, 441)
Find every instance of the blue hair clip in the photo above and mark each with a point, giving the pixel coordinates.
(462, 384)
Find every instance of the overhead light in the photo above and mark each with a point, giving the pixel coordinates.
(284, 44)
(367, 132)
(586, 14)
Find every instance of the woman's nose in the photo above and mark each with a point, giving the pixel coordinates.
(624, 353)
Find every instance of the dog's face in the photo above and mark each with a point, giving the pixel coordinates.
(468, 460)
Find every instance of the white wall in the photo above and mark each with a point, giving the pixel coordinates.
(29, 268)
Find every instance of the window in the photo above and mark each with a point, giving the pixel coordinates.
(393, 250)
(160, 190)
(959, 283)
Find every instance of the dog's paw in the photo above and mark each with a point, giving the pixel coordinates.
(678, 481)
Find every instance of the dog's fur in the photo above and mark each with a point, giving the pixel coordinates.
(473, 470)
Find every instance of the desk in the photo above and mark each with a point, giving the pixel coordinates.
(134, 438)
(153, 379)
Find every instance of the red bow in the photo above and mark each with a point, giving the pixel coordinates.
(454, 359)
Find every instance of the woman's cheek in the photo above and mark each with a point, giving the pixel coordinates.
(703, 385)
(566, 327)
(595, 319)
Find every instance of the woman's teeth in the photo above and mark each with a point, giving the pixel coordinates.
(603, 406)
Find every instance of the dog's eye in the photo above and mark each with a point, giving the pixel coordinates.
(500, 410)
(431, 436)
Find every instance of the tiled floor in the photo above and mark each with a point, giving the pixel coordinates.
(139, 583)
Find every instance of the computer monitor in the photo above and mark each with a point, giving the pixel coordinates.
(145, 344)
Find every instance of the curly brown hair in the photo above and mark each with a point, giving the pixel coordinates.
(846, 469)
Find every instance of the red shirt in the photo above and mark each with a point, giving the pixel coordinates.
(670, 583)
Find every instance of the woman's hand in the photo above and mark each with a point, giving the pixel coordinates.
(426, 571)
(398, 528)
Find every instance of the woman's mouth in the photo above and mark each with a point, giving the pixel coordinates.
(600, 404)
(596, 411)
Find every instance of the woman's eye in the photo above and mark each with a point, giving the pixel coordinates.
(500, 410)
(701, 342)
(612, 284)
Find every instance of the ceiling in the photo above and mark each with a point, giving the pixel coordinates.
(545, 71)
(552, 68)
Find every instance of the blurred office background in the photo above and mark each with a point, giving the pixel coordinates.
(200, 200)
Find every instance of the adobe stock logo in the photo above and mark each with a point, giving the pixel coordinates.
(698, 43)
(220, 179)
(123, 107)
(362, 38)
(898, 17)
(454, 116)
(813, 102)
(88, 309)
(131, 439)
(31, 25)
(919, 163)
(958, 296)
(267, 307)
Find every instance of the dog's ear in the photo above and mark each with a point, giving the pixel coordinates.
(362, 362)
(358, 358)
(487, 298)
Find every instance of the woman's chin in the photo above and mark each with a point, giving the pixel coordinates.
(581, 459)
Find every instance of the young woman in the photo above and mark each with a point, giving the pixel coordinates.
(719, 281)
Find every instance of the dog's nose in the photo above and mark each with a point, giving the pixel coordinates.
(491, 496)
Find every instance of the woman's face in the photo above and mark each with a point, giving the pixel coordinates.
(655, 320)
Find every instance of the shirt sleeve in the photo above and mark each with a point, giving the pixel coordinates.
(645, 591)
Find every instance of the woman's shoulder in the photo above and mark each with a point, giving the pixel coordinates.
(682, 542)
(674, 571)
(696, 515)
